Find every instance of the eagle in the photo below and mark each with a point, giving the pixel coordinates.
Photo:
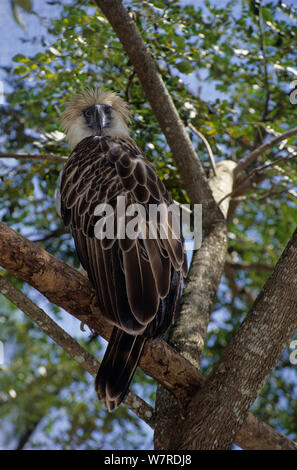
(137, 279)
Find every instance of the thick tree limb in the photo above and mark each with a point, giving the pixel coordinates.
(256, 435)
(66, 287)
(72, 347)
(265, 64)
(34, 156)
(233, 385)
(188, 333)
(162, 105)
(136, 404)
(205, 273)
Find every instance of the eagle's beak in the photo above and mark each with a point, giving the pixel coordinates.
(97, 122)
(95, 118)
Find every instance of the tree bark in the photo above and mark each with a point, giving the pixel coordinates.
(70, 290)
(66, 287)
(216, 413)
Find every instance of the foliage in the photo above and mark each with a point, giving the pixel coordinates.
(19, 5)
(228, 68)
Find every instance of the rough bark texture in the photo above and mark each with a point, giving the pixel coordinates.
(256, 435)
(188, 334)
(34, 265)
(189, 331)
(216, 413)
(66, 287)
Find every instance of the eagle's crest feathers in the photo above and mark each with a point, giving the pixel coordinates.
(73, 123)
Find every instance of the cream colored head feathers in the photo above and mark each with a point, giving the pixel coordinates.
(74, 124)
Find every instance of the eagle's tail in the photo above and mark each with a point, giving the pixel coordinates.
(118, 367)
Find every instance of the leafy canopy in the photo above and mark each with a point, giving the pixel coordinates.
(228, 68)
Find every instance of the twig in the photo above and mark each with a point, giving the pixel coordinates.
(236, 289)
(255, 171)
(74, 349)
(54, 234)
(208, 148)
(263, 49)
(34, 156)
(250, 266)
(128, 87)
(247, 161)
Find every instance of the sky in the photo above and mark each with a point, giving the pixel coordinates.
(11, 33)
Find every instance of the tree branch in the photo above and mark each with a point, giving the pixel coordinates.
(247, 161)
(236, 289)
(72, 347)
(128, 86)
(66, 287)
(233, 385)
(208, 147)
(250, 266)
(34, 156)
(263, 49)
(246, 181)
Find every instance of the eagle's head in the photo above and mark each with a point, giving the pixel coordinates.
(95, 112)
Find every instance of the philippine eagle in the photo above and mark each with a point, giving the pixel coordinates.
(138, 279)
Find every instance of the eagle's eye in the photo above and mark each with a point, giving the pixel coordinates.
(107, 108)
(88, 113)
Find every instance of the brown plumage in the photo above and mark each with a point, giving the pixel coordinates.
(138, 280)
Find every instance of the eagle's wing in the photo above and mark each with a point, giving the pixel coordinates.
(130, 276)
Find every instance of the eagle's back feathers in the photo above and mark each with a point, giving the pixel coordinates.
(137, 280)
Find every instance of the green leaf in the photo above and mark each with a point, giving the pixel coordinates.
(19, 58)
(184, 67)
(21, 70)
